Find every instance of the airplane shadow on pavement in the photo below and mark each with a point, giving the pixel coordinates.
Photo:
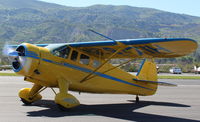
(124, 111)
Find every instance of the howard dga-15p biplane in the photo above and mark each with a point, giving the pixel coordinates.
(84, 67)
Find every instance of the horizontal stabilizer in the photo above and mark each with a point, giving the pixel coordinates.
(155, 82)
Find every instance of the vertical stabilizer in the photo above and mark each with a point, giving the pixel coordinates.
(147, 70)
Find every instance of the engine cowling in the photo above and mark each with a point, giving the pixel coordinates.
(28, 59)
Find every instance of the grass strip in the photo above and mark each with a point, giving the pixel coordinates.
(178, 77)
(159, 77)
(8, 74)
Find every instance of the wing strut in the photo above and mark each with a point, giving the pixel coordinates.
(111, 68)
(107, 60)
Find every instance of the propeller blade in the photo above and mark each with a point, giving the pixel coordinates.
(25, 62)
(7, 50)
(14, 53)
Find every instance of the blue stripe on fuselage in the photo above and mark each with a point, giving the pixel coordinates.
(89, 71)
(102, 75)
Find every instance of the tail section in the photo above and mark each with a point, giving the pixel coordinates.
(148, 74)
(148, 71)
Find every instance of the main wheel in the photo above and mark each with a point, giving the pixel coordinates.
(65, 100)
(26, 102)
(24, 95)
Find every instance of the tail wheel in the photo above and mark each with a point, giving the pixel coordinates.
(137, 99)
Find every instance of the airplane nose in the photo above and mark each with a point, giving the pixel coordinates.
(19, 58)
(26, 59)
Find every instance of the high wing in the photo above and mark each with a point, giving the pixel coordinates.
(39, 45)
(134, 48)
(139, 48)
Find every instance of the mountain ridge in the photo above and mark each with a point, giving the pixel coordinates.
(47, 22)
(35, 21)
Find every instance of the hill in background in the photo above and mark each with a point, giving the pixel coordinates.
(39, 22)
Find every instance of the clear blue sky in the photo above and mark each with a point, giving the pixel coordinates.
(191, 7)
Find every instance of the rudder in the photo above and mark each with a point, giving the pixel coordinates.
(148, 70)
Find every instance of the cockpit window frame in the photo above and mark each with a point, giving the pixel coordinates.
(62, 51)
(76, 56)
(84, 59)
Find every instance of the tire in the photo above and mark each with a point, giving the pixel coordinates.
(26, 102)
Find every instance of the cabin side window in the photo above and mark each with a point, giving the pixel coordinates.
(62, 51)
(84, 59)
(74, 55)
(96, 63)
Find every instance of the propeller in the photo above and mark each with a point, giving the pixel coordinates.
(26, 63)
(7, 50)
(17, 57)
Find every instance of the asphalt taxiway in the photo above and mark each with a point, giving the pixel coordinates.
(175, 104)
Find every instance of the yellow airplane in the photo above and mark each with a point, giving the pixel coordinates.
(84, 67)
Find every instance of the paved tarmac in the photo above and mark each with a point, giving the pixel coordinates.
(170, 104)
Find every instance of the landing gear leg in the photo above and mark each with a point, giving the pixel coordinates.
(65, 100)
(137, 99)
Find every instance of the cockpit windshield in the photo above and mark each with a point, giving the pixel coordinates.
(62, 51)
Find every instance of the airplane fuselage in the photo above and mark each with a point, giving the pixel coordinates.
(76, 66)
